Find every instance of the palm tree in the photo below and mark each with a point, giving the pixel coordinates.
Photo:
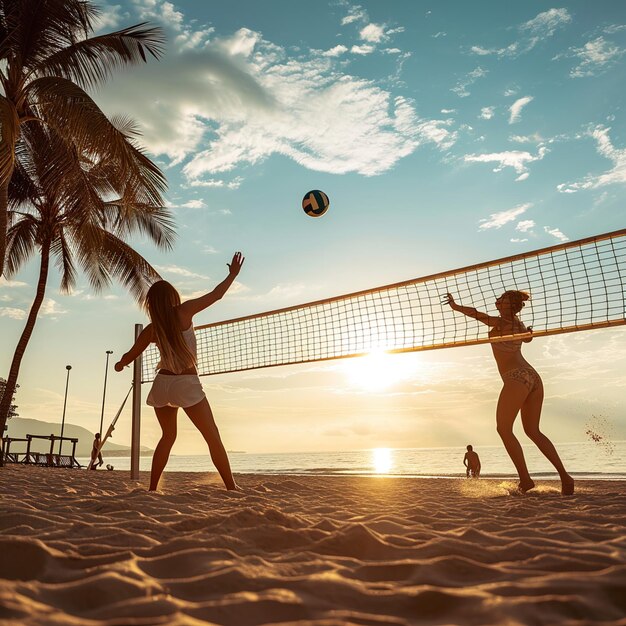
(78, 209)
(47, 60)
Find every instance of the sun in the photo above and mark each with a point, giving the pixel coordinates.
(382, 460)
(378, 370)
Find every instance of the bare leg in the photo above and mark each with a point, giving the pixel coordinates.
(202, 417)
(167, 419)
(531, 414)
(510, 401)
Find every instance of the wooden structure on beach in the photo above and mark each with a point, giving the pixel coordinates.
(45, 459)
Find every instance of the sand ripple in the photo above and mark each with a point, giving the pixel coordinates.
(95, 548)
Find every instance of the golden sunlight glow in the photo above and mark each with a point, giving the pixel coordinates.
(378, 370)
(382, 460)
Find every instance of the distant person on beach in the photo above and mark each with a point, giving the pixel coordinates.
(471, 461)
(96, 454)
(176, 384)
(522, 386)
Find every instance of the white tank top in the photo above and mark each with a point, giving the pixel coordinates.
(190, 339)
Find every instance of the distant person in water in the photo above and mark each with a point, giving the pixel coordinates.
(522, 386)
(96, 454)
(471, 461)
(176, 384)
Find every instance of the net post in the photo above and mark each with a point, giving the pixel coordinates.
(136, 422)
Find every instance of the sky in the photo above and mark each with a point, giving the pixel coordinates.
(444, 134)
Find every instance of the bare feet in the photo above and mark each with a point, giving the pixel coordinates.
(567, 485)
(526, 485)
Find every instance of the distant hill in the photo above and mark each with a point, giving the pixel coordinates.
(19, 427)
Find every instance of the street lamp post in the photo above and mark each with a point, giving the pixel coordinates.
(104, 392)
(67, 382)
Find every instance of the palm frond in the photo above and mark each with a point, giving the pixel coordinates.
(21, 241)
(127, 265)
(10, 128)
(92, 61)
(71, 112)
(41, 28)
(126, 217)
(64, 262)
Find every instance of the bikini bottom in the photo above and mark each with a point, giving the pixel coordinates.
(527, 376)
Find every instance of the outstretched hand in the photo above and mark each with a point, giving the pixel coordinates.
(449, 300)
(235, 265)
(118, 366)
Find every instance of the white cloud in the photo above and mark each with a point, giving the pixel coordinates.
(11, 284)
(179, 271)
(498, 220)
(461, 87)
(5, 298)
(51, 308)
(92, 296)
(517, 159)
(356, 13)
(532, 32)
(194, 204)
(595, 57)
(525, 225)
(546, 23)
(283, 292)
(486, 113)
(441, 33)
(616, 175)
(234, 101)
(335, 51)
(614, 28)
(555, 232)
(235, 183)
(534, 138)
(434, 131)
(518, 240)
(363, 50)
(110, 18)
(516, 108)
(448, 111)
(13, 313)
(511, 91)
(374, 33)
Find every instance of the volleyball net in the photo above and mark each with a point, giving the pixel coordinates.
(574, 286)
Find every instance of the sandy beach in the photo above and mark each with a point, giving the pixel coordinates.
(80, 547)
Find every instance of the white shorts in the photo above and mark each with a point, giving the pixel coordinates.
(181, 390)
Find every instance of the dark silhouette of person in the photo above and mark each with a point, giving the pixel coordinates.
(96, 454)
(471, 461)
(522, 387)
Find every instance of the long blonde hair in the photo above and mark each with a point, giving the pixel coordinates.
(161, 302)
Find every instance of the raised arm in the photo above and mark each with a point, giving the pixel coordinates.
(191, 307)
(490, 320)
(146, 337)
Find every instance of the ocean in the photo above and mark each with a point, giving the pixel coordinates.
(598, 460)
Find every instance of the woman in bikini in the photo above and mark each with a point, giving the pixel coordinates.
(522, 387)
(176, 383)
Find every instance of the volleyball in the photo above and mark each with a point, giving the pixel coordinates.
(315, 203)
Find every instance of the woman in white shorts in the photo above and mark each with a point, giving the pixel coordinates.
(176, 383)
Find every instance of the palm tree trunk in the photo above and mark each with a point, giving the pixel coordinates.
(4, 205)
(9, 390)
